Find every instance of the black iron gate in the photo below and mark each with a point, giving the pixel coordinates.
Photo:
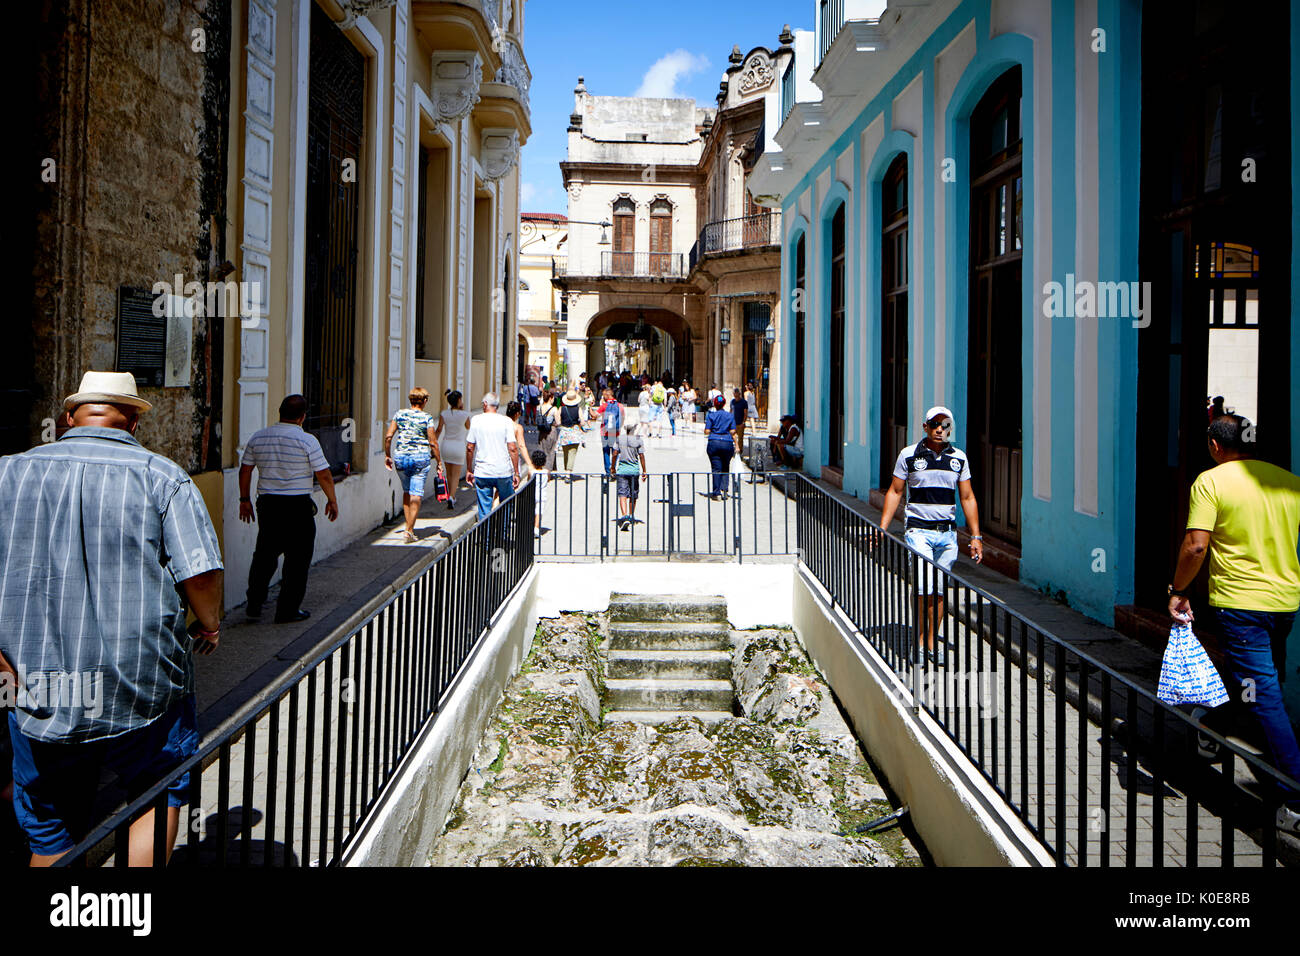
(335, 118)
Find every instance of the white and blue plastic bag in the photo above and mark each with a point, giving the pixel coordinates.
(1186, 674)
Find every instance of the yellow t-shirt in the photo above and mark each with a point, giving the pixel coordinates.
(1252, 511)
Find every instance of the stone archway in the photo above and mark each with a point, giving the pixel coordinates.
(667, 335)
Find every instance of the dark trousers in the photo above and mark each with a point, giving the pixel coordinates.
(286, 525)
(720, 454)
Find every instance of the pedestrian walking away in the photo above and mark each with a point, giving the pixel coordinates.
(103, 547)
(720, 426)
(491, 455)
(572, 423)
(631, 468)
(1243, 514)
(537, 471)
(453, 428)
(413, 455)
(287, 460)
(548, 427)
(935, 474)
(740, 415)
(611, 426)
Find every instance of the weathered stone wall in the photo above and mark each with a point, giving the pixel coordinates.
(135, 120)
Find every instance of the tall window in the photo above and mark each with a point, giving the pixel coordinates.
(661, 236)
(335, 126)
(835, 355)
(431, 254)
(997, 228)
(800, 310)
(624, 236)
(482, 292)
(507, 338)
(893, 316)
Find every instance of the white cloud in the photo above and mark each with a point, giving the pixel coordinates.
(662, 77)
(526, 192)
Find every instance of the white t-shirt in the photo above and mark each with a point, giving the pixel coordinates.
(797, 444)
(490, 433)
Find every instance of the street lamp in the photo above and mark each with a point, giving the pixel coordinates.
(604, 228)
(725, 336)
(769, 334)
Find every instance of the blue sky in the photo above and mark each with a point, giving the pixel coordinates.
(656, 48)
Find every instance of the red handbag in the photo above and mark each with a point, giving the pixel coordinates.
(440, 485)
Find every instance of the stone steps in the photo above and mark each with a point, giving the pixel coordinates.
(654, 718)
(669, 694)
(681, 608)
(669, 635)
(669, 654)
(670, 664)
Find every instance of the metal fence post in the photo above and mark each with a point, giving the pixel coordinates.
(604, 516)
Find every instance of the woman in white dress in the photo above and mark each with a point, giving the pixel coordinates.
(453, 427)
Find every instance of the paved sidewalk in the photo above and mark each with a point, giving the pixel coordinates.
(345, 585)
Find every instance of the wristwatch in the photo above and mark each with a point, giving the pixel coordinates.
(1173, 590)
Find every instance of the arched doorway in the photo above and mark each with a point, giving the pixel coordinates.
(993, 435)
(893, 316)
(835, 355)
(640, 340)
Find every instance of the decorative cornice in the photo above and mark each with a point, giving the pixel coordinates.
(498, 151)
(354, 10)
(454, 88)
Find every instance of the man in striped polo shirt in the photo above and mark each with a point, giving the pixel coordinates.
(935, 473)
(287, 460)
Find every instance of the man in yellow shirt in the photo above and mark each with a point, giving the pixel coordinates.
(1245, 513)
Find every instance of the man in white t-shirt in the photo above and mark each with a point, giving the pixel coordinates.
(491, 456)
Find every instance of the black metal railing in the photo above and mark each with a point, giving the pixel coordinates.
(759, 231)
(830, 20)
(675, 515)
(641, 264)
(294, 779)
(1100, 770)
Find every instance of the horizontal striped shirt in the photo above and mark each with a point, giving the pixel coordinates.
(95, 536)
(931, 478)
(286, 458)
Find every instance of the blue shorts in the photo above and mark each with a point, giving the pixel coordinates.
(413, 473)
(940, 547)
(55, 784)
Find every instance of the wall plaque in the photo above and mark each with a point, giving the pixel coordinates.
(141, 336)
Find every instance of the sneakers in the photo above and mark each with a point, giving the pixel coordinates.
(293, 618)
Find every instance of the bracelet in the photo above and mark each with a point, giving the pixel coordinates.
(203, 633)
(977, 537)
(249, 500)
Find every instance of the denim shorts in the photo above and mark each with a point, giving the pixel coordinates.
(940, 547)
(413, 472)
(55, 785)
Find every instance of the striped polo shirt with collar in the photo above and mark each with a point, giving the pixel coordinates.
(287, 459)
(931, 478)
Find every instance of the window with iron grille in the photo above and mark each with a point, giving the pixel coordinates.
(335, 126)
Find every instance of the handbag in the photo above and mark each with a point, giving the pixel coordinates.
(440, 485)
(1186, 674)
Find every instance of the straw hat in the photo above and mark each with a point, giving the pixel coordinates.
(571, 397)
(107, 388)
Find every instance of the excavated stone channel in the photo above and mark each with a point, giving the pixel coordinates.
(553, 782)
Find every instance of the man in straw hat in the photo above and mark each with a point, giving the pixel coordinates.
(103, 544)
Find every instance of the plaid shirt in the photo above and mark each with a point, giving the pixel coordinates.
(96, 533)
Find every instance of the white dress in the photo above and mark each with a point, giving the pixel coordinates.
(455, 428)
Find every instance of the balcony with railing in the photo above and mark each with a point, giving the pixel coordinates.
(830, 20)
(787, 89)
(747, 233)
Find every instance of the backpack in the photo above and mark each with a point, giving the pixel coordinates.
(658, 393)
(570, 415)
(613, 418)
